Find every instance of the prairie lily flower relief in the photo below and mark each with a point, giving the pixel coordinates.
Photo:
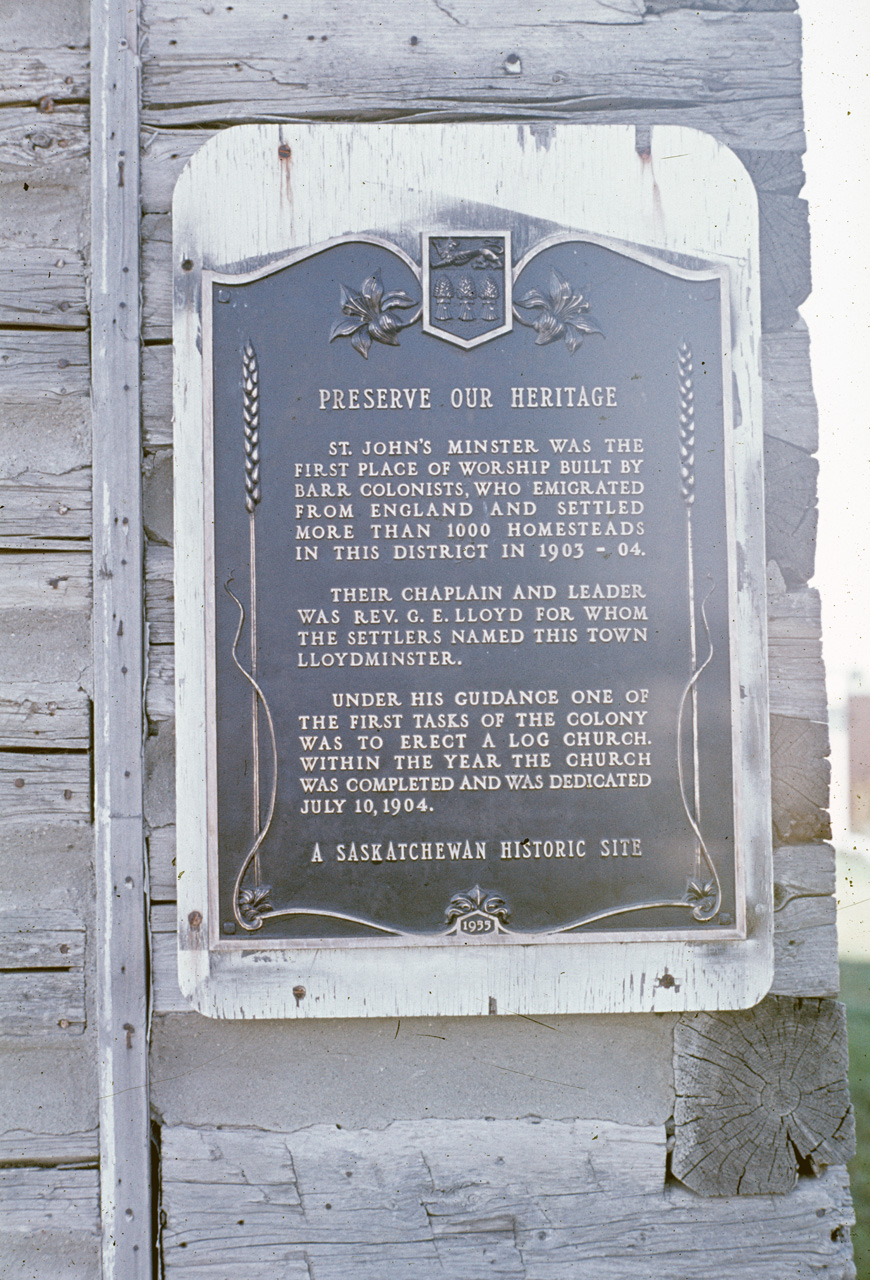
(372, 315)
(561, 313)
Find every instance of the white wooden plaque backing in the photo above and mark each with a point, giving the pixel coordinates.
(256, 197)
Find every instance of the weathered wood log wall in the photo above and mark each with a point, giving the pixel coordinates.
(273, 1135)
(49, 1217)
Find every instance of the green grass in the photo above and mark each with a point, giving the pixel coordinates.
(855, 992)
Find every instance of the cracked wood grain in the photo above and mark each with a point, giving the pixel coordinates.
(35, 507)
(790, 498)
(37, 364)
(736, 75)
(44, 713)
(43, 287)
(34, 142)
(49, 788)
(48, 76)
(38, 1200)
(760, 1095)
(531, 1199)
(800, 777)
(42, 1003)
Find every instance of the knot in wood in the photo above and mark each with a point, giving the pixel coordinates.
(782, 1098)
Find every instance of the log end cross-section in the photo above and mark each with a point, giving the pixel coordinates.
(761, 1096)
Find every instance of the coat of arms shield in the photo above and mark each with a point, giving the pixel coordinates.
(467, 286)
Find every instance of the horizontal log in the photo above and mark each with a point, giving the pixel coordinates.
(797, 672)
(731, 6)
(157, 277)
(33, 364)
(56, 788)
(735, 75)
(34, 142)
(21, 1146)
(156, 396)
(50, 76)
(803, 871)
(162, 876)
(52, 939)
(51, 580)
(36, 507)
(43, 287)
(37, 713)
(542, 1200)
(805, 921)
(42, 1002)
(790, 412)
(47, 435)
(805, 948)
(45, 210)
(800, 777)
(159, 610)
(164, 154)
(56, 1200)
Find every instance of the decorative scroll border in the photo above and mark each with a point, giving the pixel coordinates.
(251, 904)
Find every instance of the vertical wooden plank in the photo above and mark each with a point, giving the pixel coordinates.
(118, 649)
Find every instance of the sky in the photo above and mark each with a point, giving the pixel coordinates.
(837, 102)
(837, 97)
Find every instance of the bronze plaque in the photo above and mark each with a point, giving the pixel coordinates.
(471, 645)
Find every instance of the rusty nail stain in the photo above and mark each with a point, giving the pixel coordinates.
(19, 782)
(299, 993)
(129, 1028)
(284, 152)
(69, 80)
(63, 1023)
(64, 948)
(195, 919)
(46, 106)
(187, 265)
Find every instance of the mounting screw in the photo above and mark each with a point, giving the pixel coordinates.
(195, 919)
